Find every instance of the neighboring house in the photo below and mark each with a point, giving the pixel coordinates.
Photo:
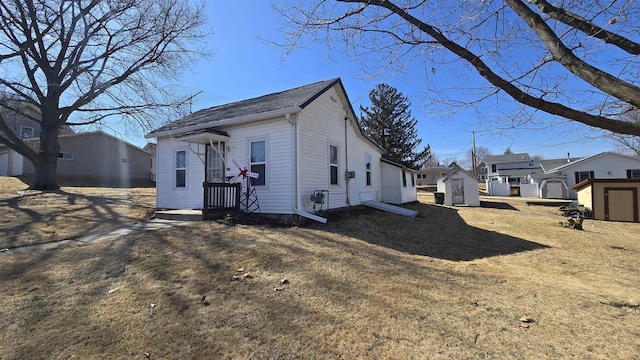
(481, 171)
(511, 169)
(398, 183)
(606, 165)
(151, 148)
(610, 199)
(298, 141)
(430, 176)
(91, 157)
(459, 187)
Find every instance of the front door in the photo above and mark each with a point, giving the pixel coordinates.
(215, 163)
(457, 190)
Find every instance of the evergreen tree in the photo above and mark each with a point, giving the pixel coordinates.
(389, 123)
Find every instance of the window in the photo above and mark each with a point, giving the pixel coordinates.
(259, 162)
(127, 161)
(367, 167)
(333, 165)
(494, 168)
(633, 173)
(65, 156)
(26, 132)
(181, 169)
(404, 179)
(413, 181)
(583, 175)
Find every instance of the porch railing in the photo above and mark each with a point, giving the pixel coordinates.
(220, 198)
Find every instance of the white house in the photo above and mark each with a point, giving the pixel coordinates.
(398, 183)
(459, 187)
(510, 168)
(563, 176)
(298, 141)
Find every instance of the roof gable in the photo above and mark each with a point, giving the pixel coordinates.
(501, 159)
(454, 171)
(298, 97)
(590, 158)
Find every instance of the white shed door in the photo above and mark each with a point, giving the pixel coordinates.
(457, 190)
(554, 190)
(4, 164)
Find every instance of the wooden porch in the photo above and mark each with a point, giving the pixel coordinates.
(220, 199)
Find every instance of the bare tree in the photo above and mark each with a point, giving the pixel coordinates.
(629, 143)
(481, 153)
(81, 62)
(573, 59)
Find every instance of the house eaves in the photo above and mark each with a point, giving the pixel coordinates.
(398, 165)
(226, 122)
(588, 158)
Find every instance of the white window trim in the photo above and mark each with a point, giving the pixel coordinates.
(267, 159)
(176, 168)
(368, 171)
(329, 145)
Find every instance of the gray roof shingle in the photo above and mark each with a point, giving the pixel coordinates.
(300, 97)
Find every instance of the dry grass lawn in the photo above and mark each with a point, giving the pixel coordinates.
(453, 283)
(31, 217)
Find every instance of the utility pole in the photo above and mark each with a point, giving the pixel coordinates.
(473, 155)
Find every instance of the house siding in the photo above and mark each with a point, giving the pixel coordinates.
(322, 124)
(392, 184)
(607, 166)
(167, 195)
(98, 155)
(276, 197)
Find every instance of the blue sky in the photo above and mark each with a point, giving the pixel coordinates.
(244, 66)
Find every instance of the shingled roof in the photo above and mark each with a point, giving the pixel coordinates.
(296, 97)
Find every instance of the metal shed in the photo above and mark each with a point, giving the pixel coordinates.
(610, 199)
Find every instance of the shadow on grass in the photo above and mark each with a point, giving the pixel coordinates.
(497, 205)
(437, 232)
(34, 217)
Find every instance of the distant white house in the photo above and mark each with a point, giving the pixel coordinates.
(563, 176)
(554, 178)
(459, 187)
(299, 141)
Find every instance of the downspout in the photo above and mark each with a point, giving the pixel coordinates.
(346, 158)
(295, 164)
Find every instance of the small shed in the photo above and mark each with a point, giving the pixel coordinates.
(610, 199)
(398, 183)
(459, 187)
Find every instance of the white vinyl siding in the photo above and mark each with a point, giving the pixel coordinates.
(321, 123)
(276, 196)
(168, 196)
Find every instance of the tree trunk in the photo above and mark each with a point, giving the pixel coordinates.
(46, 166)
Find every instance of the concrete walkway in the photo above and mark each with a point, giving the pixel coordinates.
(153, 224)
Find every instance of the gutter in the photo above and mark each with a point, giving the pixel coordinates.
(233, 121)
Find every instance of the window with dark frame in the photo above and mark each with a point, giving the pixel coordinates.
(494, 168)
(181, 169)
(583, 175)
(633, 173)
(333, 165)
(259, 162)
(404, 179)
(413, 181)
(367, 165)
